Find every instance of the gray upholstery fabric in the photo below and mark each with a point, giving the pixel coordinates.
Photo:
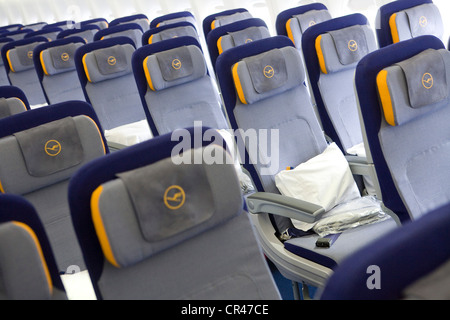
(21, 57)
(60, 59)
(189, 19)
(98, 67)
(425, 19)
(51, 147)
(11, 106)
(234, 39)
(63, 87)
(288, 62)
(187, 199)
(311, 18)
(23, 274)
(194, 61)
(224, 20)
(173, 33)
(143, 23)
(175, 64)
(133, 34)
(351, 44)
(417, 149)
(87, 35)
(426, 78)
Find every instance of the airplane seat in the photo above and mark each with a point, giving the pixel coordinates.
(102, 23)
(235, 34)
(222, 18)
(11, 27)
(40, 150)
(64, 25)
(130, 30)
(35, 26)
(4, 81)
(55, 66)
(106, 77)
(50, 33)
(86, 32)
(18, 34)
(174, 17)
(294, 22)
(406, 130)
(405, 19)
(169, 31)
(29, 270)
(19, 66)
(271, 112)
(185, 237)
(12, 101)
(399, 266)
(331, 51)
(175, 87)
(140, 19)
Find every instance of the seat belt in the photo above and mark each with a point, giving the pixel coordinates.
(327, 241)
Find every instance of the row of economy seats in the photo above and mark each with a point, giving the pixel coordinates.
(281, 97)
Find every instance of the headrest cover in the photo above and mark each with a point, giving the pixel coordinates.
(267, 74)
(108, 63)
(51, 147)
(142, 22)
(189, 19)
(224, 20)
(21, 58)
(137, 219)
(415, 86)
(174, 67)
(134, 34)
(11, 106)
(342, 49)
(173, 33)
(59, 59)
(310, 18)
(31, 161)
(20, 249)
(238, 38)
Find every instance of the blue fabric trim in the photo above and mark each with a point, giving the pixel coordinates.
(209, 19)
(116, 29)
(65, 33)
(14, 92)
(170, 16)
(117, 21)
(311, 255)
(155, 30)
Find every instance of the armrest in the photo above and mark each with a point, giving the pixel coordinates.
(266, 202)
(360, 165)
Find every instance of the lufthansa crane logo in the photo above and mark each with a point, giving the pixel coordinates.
(112, 60)
(248, 40)
(352, 45)
(427, 81)
(269, 72)
(52, 148)
(65, 57)
(311, 23)
(30, 54)
(174, 197)
(176, 64)
(423, 21)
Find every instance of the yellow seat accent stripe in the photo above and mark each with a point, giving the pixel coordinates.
(394, 30)
(213, 25)
(320, 55)
(2, 190)
(42, 63)
(100, 228)
(219, 45)
(86, 71)
(150, 40)
(289, 30)
(385, 97)
(147, 74)
(237, 84)
(9, 61)
(99, 133)
(41, 254)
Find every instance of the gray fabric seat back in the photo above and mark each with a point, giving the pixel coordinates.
(414, 133)
(227, 19)
(11, 106)
(338, 53)
(111, 87)
(37, 164)
(180, 92)
(170, 33)
(187, 233)
(237, 38)
(416, 21)
(281, 109)
(22, 73)
(60, 80)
